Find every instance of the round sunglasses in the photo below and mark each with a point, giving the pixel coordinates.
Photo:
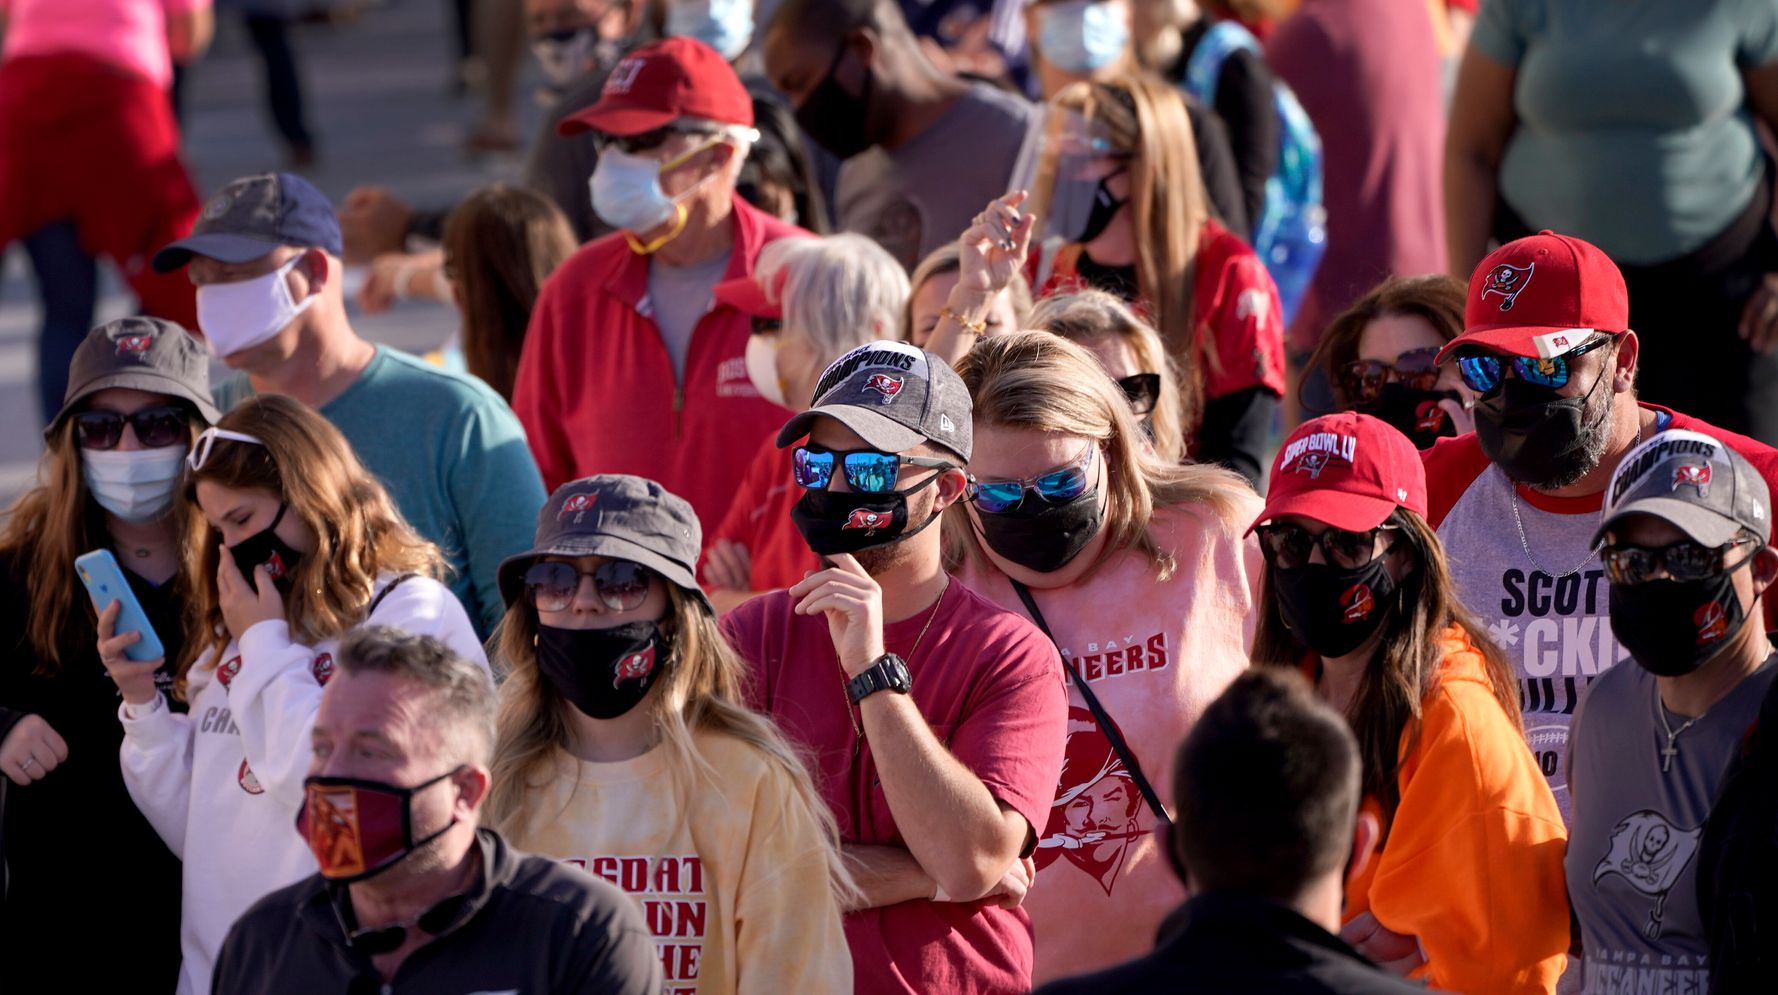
(156, 427)
(1055, 486)
(1683, 561)
(1363, 379)
(867, 471)
(620, 584)
(1484, 372)
(1288, 547)
(1143, 390)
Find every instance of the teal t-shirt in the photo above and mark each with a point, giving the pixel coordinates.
(453, 458)
(1633, 125)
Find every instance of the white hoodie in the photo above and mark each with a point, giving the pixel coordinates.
(223, 783)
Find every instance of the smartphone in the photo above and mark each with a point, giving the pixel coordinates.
(105, 582)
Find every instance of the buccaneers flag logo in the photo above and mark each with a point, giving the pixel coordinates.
(1358, 603)
(866, 519)
(1712, 623)
(1429, 417)
(635, 667)
(885, 385)
(1312, 464)
(1690, 475)
(1509, 282)
(134, 344)
(576, 504)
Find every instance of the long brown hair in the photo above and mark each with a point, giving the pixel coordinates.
(1436, 297)
(1085, 316)
(700, 691)
(1405, 670)
(359, 534)
(1146, 119)
(1041, 381)
(52, 524)
(500, 244)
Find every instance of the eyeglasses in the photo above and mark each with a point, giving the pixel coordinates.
(1485, 371)
(621, 585)
(1363, 379)
(767, 326)
(867, 470)
(1682, 561)
(200, 450)
(1143, 390)
(1288, 547)
(1063, 483)
(650, 140)
(162, 425)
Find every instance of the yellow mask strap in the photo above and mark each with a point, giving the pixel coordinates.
(649, 248)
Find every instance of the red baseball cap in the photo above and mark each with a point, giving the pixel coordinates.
(1349, 470)
(659, 83)
(1541, 296)
(745, 295)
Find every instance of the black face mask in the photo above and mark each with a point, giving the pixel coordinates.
(1413, 412)
(1536, 437)
(1041, 536)
(848, 521)
(835, 119)
(1332, 610)
(1674, 627)
(265, 549)
(602, 672)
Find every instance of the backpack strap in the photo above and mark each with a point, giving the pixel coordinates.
(1116, 738)
(1203, 69)
(374, 602)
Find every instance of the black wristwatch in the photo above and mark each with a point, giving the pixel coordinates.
(888, 673)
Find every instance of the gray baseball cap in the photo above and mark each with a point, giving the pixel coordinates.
(141, 353)
(254, 215)
(619, 516)
(895, 396)
(1693, 481)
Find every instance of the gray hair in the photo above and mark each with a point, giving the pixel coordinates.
(841, 291)
(462, 702)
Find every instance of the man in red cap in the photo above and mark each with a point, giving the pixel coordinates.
(1548, 349)
(631, 365)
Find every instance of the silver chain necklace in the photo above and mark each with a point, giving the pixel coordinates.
(1512, 494)
(1670, 751)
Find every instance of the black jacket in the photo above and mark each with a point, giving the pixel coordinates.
(1235, 945)
(530, 924)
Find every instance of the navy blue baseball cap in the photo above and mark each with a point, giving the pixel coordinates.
(254, 215)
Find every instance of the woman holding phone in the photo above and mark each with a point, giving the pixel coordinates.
(302, 545)
(139, 391)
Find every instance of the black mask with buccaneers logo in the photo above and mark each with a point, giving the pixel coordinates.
(602, 672)
(849, 521)
(266, 549)
(1332, 610)
(1414, 413)
(1674, 627)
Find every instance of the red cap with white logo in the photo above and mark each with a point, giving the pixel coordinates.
(660, 83)
(1348, 470)
(1541, 296)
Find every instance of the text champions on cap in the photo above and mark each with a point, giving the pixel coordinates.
(1654, 452)
(895, 355)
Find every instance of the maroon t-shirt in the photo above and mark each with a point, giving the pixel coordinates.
(989, 683)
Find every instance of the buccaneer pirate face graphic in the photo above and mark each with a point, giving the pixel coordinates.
(1097, 817)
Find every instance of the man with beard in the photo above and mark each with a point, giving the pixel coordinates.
(936, 720)
(1547, 347)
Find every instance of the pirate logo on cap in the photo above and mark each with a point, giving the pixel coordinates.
(1692, 475)
(885, 385)
(577, 504)
(134, 345)
(1509, 282)
(1312, 464)
(218, 206)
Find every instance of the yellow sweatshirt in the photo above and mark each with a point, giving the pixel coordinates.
(735, 891)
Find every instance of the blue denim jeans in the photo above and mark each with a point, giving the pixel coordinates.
(68, 283)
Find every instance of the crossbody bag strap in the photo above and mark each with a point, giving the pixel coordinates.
(374, 602)
(1111, 732)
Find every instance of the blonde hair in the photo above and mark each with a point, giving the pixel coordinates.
(1086, 316)
(1146, 120)
(359, 534)
(1042, 382)
(700, 691)
(947, 258)
(55, 522)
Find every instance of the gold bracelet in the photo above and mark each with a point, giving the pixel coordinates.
(978, 327)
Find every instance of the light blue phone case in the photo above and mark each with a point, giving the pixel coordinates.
(105, 582)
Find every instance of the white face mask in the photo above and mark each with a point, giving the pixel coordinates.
(236, 316)
(627, 191)
(135, 485)
(724, 25)
(762, 368)
(564, 56)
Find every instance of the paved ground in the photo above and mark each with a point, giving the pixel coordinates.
(381, 105)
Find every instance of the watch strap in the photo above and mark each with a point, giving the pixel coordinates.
(879, 676)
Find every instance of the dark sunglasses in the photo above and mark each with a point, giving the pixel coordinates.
(647, 140)
(162, 425)
(620, 584)
(1058, 485)
(1485, 371)
(1363, 379)
(1143, 390)
(1682, 561)
(1288, 547)
(767, 326)
(867, 470)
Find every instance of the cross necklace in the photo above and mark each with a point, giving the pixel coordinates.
(1671, 750)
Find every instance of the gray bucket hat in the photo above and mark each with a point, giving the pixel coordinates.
(619, 516)
(1693, 481)
(141, 353)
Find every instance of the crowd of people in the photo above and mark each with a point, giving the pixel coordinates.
(1078, 495)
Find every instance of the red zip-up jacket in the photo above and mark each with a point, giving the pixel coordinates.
(595, 388)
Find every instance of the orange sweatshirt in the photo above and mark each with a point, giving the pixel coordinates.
(1472, 864)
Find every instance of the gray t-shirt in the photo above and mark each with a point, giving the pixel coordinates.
(1633, 839)
(678, 297)
(923, 194)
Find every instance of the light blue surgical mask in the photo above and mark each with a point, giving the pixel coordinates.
(1082, 36)
(724, 25)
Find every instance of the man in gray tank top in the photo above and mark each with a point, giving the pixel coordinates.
(1685, 553)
